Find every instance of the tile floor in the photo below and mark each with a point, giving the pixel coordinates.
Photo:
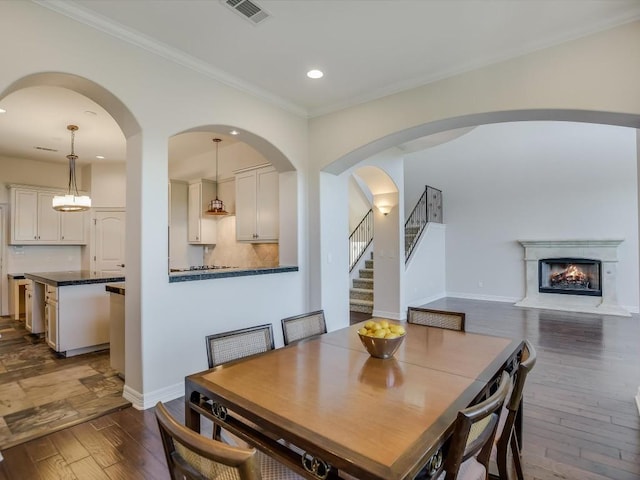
(41, 392)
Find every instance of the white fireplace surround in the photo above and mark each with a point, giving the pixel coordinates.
(604, 250)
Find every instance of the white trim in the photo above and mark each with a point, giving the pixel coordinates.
(488, 298)
(391, 315)
(148, 400)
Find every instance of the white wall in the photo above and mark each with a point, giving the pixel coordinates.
(425, 274)
(359, 204)
(108, 185)
(530, 180)
(166, 322)
(32, 172)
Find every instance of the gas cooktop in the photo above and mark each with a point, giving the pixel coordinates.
(201, 267)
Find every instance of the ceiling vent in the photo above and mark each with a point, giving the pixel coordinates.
(46, 149)
(248, 9)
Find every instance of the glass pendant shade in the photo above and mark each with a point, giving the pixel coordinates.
(216, 207)
(72, 201)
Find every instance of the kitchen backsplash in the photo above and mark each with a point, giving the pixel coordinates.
(232, 253)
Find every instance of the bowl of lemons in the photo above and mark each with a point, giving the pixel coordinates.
(381, 338)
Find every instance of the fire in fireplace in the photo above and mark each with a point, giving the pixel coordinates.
(570, 276)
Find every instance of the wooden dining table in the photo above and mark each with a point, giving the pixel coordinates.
(326, 408)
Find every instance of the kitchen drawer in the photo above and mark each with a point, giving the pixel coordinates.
(51, 293)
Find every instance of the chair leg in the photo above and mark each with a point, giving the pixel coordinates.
(515, 449)
(216, 431)
(501, 461)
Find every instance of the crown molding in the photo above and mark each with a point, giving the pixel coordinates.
(133, 37)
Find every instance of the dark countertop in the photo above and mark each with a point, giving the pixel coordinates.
(16, 276)
(118, 288)
(226, 273)
(78, 277)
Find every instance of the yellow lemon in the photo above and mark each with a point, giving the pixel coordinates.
(380, 333)
(397, 329)
(391, 335)
(363, 331)
(384, 324)
(369, 324)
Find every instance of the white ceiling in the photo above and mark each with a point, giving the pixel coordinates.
(367, 49)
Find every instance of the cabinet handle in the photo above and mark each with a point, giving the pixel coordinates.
(35, 237)
(121, 265)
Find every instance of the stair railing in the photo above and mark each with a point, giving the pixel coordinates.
(428, 209)
(360, 239)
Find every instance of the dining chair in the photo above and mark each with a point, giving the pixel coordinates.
(235, 344)
(473, 435)
(505, 434)
(191, 456)
(303, 326)
(436, 318)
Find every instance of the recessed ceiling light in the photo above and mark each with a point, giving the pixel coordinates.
(100, 157)
(234, 132)
(315, 74)
(2, 110)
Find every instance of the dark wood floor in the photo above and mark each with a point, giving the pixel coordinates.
(580, 418)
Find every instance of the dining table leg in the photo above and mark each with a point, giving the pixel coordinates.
(191, 416)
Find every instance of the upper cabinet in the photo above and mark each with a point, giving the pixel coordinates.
(201, 229)
(35, 222)
(257, 205)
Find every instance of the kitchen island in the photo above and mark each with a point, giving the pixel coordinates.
(71, 308)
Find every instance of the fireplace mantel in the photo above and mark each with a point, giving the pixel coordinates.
(605, 250)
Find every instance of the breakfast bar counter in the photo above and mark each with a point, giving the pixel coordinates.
(203, 274)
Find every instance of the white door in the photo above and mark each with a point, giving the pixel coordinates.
(108, 237)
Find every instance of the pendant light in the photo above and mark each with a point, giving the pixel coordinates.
(72, 201)
(216, 207)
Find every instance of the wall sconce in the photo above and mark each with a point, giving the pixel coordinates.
(384, 209)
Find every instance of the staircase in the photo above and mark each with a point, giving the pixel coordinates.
(361, 295)
(428, 209)
(410, 234)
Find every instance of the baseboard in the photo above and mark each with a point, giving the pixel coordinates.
(148, 400)
(383, 314)
(488, 298)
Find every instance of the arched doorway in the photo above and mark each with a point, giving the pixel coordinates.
(129, 128)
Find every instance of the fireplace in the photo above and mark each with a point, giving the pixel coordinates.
(570, 276)
(584, 272)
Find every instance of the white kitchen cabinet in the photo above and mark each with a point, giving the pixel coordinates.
(34, 295)
(28, 305)
(257, 205)
(73, 226)
(201, 229)
(35, 222)
(51, 316)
